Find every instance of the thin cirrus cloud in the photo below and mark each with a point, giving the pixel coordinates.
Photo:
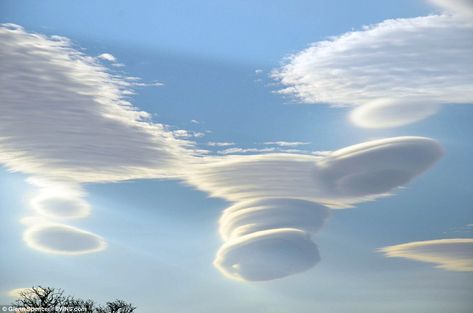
(220, 144)
(394, 73)
(286, 143)
(81, 128)
(455, 254)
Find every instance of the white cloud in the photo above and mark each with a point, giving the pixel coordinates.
(396, 72)
(462, 8)
(267, 255)
(449, 254)
(286, 143)
(278, 199)
(59, 199)
(350, 175)
(271, 213)
(255, 232)
(182, 133)
(107, 57)
(245, 150)
(66, 118)
(62, 239)
(220, 144)
(17, 292)
(65, 115)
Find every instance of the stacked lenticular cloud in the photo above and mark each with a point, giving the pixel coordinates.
(268, 237)
(58, 202)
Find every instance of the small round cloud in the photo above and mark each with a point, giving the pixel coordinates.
(61, 207)
(62, 239)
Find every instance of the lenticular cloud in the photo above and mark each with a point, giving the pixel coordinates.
(338, 179)
(269, 238)
(394, 73)
(454, 254)
(66, 121)
(282, 200)
(62, 239)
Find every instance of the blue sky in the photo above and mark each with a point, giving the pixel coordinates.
(214, 60)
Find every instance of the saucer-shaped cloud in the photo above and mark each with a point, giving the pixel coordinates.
(65, 115)
(375, 167)
(61, 207)
(267, 255)
(62, 239)
(267, 239)
(448, 254)
(262, 214)
(392, 113)
(354, 174)
(399, 71)
(59, 199)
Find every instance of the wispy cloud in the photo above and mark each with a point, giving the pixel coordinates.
(245, 150)
(220, 144)
(394, 73)
(183, 133)
(286, 143)
(107, 57)
(454, 254)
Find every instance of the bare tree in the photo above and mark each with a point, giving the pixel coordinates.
(117, 306)
(55, 301)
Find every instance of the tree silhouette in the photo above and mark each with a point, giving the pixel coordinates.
(117, 306)
(54, 300)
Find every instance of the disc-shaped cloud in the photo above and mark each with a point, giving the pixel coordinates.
(267, 255)
(398, 71)
(449, 254)
(66, 115)
(252, 216)
(340, 178)
(375, 167)
(62, 239)
(392, 113)
(61, 207)
(269, 238)
(59, 199)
